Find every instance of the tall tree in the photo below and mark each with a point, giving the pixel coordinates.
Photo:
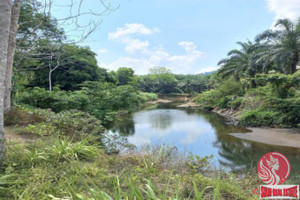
(7, 47)
(5, 18)
(240, 62)
(282, 46)
(10, 53)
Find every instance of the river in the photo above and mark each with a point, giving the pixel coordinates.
(198, 133)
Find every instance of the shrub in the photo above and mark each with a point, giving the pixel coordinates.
(208, 98)
(221, 96)
(236, 103)
(56, 100)
(224, 102)
(41, 129)
(45, 122)
(65, 149)
(146, 96)
(260, 117)
(22, 116)
(76, 123)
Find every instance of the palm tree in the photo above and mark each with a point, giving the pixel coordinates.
(281, 46)
(240, 62)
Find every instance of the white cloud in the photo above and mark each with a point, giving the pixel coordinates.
(207, 69)
(133, 45)
(188, 46)
(130, 29)
(141, 56)
(148, 58)
(284, 8)
(102, 51)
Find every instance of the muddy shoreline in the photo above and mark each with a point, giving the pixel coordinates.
(272, 136)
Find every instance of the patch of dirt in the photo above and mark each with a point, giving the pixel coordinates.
(188, 105)
(12, 137)
(160, 101)
(273, 136)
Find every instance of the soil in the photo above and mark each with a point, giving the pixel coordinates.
(12, 137)
(273, 136)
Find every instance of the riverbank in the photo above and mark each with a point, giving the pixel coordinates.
(267, 135)
(272, 136)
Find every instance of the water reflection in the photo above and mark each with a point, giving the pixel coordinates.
(200, 133)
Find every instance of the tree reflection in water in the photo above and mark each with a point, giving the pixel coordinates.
(200, 133)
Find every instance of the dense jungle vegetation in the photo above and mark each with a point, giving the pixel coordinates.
(63, 102)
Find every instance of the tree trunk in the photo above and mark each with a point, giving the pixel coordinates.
(10, 54)
(294, 62)
(50, 79)
(5, 14)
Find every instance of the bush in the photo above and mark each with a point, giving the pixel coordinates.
(260, 117)
(45, 122)
(102, 100)
(76, 123)
(222, 96)
(208, 98)
(41, 129)
(56, 100)
(236, 103)
(22, 116)
(146, 96)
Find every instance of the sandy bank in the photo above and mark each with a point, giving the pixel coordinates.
(188, 105)
(273, 136)
(160, 101)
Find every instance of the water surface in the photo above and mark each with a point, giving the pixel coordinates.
(199, 133)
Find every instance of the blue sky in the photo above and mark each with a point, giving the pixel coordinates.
(186, 36)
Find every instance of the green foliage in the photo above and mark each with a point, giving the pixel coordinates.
(65, 149)
(81, 171)
(40, 129)
(260, 117)
(22, 116)
(281, 46)
(56, 100)
(76, 65)
(161, 80)
(74, 122)
(222, 96)
(124, 75)
(282, 85)
(102, 100)
(146, 96)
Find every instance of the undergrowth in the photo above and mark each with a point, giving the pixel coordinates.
(72, 164)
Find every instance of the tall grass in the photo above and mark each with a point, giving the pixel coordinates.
(62, 168)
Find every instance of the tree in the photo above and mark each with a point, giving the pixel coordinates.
(238, 61)
(125, 75)
(282, 46)
(8, 26)
(10, 54)
(160, 80)
(67, 67)
(5, 18)
(241, 62)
